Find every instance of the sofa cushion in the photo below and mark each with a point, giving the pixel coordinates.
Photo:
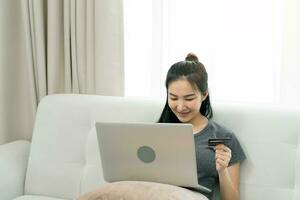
(134, 190)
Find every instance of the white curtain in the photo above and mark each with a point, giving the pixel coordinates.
(56, 46)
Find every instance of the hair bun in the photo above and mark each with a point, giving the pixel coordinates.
(191, 57)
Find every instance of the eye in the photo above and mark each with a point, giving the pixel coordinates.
(173, 99)
(189, 99)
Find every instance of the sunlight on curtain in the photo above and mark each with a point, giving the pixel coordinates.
(239, 42)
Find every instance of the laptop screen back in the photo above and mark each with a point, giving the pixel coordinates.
(156, 152)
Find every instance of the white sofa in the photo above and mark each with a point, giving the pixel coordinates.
(63, 161)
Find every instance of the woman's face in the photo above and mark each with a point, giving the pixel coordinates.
(184, 100)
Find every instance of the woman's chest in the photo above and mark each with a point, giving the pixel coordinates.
(205, 158)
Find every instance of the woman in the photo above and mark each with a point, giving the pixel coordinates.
(188, 102)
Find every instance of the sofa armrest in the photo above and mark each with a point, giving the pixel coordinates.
(13, 165)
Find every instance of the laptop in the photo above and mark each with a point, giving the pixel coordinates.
(153, 152)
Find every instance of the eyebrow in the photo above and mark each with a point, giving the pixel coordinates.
(188, 95)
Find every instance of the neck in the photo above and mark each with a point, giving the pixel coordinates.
(199, 123)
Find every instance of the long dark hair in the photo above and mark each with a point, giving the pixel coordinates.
(195, 73)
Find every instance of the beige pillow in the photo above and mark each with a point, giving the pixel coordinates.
(137, 190)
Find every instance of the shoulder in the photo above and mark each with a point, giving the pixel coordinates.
(234, 144)
(220, 130)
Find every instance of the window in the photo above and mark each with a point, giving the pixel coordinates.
(240, 43)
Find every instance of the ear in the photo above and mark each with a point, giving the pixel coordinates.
(204, 95)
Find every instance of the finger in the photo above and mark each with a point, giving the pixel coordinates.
(222, 147)
(221, 152)
(219, 146)
(227, 149)
(223, 157)
(221, 163)
(225, 160)
(224, 153)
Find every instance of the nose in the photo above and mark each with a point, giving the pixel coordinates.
(180, 106)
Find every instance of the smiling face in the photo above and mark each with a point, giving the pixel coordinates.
(184, 100)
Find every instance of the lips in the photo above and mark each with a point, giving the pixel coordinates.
(183, 114)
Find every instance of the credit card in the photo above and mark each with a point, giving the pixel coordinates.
(215, 141)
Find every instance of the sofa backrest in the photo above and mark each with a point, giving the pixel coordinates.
(270, 137)
(64, 159)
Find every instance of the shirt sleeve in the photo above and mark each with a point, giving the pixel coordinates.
(237, 153)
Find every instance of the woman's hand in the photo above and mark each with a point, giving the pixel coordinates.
(222, 156)
(229, 177)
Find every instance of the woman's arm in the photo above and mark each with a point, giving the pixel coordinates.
(229, 183)
(229, 176)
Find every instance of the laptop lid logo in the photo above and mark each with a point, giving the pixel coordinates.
(146, 154)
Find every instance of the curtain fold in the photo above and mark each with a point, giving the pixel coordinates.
(67, 46)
